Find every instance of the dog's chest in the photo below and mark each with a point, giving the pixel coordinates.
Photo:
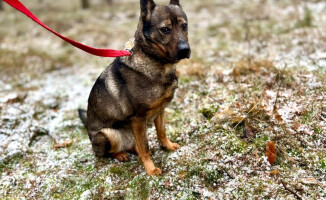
(168, 86)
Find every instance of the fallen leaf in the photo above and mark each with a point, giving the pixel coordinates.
(274, 172)
(224, 115)
(309, 181)
(278, 117)
(249, 130)
(271, 152)
(167, 184)
(14, 98)
(268, 101)
(62, 145)
(238, 119)
(300, 128)
(308, 131)
(290, 131)
(253, 108)
(289, 111)
(100, 190)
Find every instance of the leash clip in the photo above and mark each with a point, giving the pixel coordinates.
(129, 45)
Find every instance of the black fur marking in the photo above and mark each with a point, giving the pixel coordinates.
(146, 6)
(117, 73)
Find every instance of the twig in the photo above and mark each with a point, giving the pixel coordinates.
(277, 80)
(291, 191)
(246, 115)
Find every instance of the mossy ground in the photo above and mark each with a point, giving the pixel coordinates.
(257, 73)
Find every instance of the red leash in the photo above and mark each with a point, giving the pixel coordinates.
(95, 51)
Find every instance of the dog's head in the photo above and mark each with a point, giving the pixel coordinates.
(163, 31)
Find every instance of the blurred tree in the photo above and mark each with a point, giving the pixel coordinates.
(109, 1)
(85, 4)
(1, 5)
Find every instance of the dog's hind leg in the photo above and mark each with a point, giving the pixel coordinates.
(100, 145)
(120, 141)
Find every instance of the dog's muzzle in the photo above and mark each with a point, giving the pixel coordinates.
(183, 50)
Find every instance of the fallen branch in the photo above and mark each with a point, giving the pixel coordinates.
(291, 191)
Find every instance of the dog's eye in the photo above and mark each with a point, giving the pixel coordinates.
(184, 26)
(165, 30)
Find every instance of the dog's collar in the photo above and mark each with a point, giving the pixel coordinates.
(130, 45)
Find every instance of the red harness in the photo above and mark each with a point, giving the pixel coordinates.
(95, 51)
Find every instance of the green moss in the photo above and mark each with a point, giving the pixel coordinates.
(317, 129)
(10, 161)
(208, 112)
(306, 21)
(307, 117)
(139, 188)
(323, 164)
(117, 170)
(208, 176)
(122, 170)
(260, 140)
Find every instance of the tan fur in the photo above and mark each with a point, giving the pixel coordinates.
(115, 139)
(160, 130)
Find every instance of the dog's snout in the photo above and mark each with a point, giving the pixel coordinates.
(183, 50)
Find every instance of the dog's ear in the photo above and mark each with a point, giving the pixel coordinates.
(146, 7)
(175, 2)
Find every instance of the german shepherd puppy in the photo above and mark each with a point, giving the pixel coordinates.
(134, 91)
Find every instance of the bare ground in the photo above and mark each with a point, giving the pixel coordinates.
(257, 74)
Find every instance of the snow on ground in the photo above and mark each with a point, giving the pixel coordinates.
(257, 74)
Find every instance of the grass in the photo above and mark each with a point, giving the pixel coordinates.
(248, 60)
(307, 20)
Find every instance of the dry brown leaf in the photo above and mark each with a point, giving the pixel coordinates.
(268, 101)
(224, 115)
(237, 119)
(290, 131)
(300, 128)
(274, 172)
(271, 152)
(269, 129)
(62, 145)
(309, 181)
(249, 130)
(278, 117)
(253, 108)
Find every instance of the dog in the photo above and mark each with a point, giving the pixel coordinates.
(133, 91)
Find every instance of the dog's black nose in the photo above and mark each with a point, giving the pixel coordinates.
(183, 50)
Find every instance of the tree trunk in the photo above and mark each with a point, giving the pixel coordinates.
(109, 2)
(1, 5)
(85, 4)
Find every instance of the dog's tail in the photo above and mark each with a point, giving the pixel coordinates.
(83, 115)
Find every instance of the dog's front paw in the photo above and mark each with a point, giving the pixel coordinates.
(172, 146)
(121, 156)
(154, 172)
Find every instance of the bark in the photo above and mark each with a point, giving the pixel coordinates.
(85, 4)
(1, 5)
